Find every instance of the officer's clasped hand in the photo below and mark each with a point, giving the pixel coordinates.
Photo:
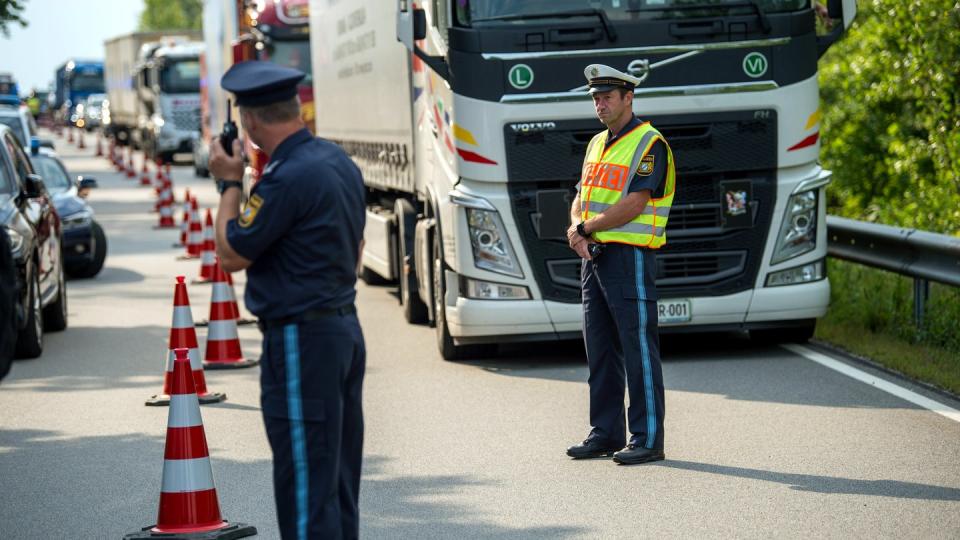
(578, 243)
(223, 166)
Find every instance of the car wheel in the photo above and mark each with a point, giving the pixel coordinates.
(30, 339)
(93, 267)
(55, 315)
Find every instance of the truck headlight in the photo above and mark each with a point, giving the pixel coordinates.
(798, 232)
(491, 246)
(799, 274)
(76, 220)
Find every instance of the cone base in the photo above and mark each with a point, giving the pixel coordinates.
(171, 226)
(227, 532)
(162, 400)
(187, 257)
(230, 365)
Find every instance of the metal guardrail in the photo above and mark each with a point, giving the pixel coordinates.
(922, 255)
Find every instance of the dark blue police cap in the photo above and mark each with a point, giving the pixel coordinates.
(256, 82)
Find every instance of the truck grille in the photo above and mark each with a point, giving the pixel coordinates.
(187, 119)
(701, 258)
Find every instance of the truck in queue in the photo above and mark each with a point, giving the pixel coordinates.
(471, 133)
(74, 81)
(274, 30)
(120, 62)
(168, 89)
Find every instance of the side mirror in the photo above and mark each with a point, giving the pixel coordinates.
(33, 186)
(412, 27)
(419, 24)
(86, 182)
(845, 11)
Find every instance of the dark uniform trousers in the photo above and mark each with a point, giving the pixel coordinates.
(311, 381)
(623, 349)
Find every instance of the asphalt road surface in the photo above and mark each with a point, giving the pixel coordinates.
(761, 441)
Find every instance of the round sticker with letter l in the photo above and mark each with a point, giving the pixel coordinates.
(755, 64)
(520, 76)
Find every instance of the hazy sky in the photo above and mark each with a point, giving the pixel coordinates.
(59, 30)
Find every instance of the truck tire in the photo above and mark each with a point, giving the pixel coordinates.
(414, 310)
(791, 334)
(30, 338)
(93, 267)
(55, 314)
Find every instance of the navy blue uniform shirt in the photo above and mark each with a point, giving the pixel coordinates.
(302, 229)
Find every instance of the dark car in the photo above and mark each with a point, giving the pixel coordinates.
(33, 225)
(84, 242)
(8, 304)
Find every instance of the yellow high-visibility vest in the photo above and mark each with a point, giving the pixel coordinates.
(607, 172)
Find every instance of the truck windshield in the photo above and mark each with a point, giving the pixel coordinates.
(87, 82)
(469, 11)
(180, 77)
(291, 53)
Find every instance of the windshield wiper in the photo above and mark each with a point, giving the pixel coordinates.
(761, 15)
(595, 12)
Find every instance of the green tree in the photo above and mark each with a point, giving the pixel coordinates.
(171, 15)
(11, 12)
(891, 124)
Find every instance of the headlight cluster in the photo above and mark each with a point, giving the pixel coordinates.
(488, 290)
(79, 219)
(491, 246)
(799, 274)
(798, 232)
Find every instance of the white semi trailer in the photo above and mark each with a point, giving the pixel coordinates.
(470, 118)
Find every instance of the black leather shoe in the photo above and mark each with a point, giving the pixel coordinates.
(634, 454)
(592, 448)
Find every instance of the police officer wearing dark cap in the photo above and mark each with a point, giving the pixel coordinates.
(299, 238)
(619, 217)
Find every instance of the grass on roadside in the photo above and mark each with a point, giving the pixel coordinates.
(871, 315)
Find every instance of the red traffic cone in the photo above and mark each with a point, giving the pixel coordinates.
(167, 172)
(185, 222)
(80, 144)
(99, 146)
(70, 135)
(208, 255)
(131, 170)
(188, 497)
(195, 232)
(183, 336)
(166, 210)
(236, 307)
(223, 343)
(144, 173)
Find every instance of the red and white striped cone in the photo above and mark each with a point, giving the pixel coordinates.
(99, 146)
(131, 170)
(223, 343)
(236, 307)
(189, 507)
(70, 135)
(166, 210)
(185, 222)
(194, 234)
(208, 257)
(183, 336)
(167, 172)
(80, 144)
(159, 165)
(144, 173)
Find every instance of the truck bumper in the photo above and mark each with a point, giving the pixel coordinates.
(487, 321)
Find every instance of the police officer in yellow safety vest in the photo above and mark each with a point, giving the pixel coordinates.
(619, 217)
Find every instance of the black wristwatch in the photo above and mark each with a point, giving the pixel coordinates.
(581, 231)
(224, 185)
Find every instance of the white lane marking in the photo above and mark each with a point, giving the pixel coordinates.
(876, 382)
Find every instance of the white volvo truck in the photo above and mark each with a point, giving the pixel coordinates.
(470, 119)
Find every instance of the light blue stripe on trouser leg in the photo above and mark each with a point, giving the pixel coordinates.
(645, 351)
(298, 442)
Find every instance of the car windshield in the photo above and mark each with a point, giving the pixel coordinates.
(295, 54)
(53, 174)
(15, 125)
(180, 77)
(468, 11)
